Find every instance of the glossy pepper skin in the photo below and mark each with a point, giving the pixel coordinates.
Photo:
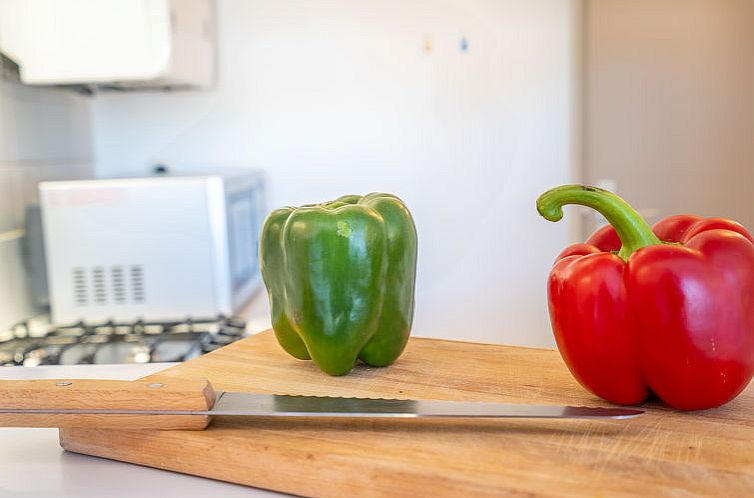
(340, 277)
(667, 310)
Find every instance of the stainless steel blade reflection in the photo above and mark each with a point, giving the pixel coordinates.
(274, 405)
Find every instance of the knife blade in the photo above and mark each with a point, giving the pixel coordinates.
(168, 405)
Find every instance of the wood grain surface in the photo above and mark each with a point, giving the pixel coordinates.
(662, 453)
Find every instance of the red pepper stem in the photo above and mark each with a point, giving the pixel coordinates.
(633, 231)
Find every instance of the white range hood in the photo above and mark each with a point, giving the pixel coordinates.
(115, 43)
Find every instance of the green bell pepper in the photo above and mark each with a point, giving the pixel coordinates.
(340, 277)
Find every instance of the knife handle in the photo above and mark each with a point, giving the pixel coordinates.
(141, 395)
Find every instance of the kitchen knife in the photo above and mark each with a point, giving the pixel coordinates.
(189, 404)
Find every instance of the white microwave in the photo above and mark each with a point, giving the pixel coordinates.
(152, 248)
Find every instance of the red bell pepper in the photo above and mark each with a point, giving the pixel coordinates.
(667, 310)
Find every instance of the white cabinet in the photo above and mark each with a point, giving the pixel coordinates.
(121, 43)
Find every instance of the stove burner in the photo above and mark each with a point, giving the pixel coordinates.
(107, 343)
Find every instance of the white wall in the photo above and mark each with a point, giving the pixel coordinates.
(335, 97)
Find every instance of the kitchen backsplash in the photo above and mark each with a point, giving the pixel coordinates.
(44, 135)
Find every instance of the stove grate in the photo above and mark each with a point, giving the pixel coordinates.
(116, 342)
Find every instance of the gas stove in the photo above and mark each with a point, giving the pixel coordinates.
(34, 342)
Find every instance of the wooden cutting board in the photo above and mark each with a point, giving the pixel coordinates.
(661, 453)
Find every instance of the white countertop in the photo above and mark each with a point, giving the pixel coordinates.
(32, 464)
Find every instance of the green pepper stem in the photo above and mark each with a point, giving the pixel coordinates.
(633, 231)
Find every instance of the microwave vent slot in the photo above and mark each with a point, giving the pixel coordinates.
(137, 283)
(101, 285)
(80, 289)
(118, 284)
(98, 284)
